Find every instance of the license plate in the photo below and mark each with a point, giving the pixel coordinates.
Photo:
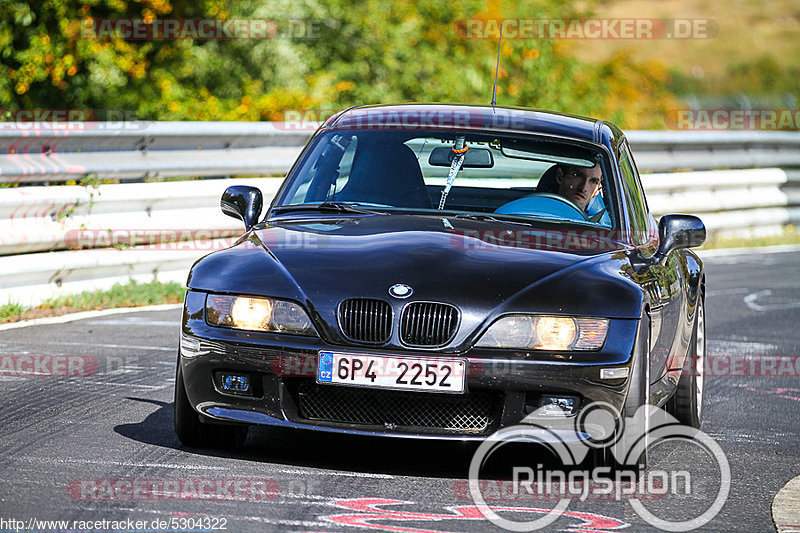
(431, 374)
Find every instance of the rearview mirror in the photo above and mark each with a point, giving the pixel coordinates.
(442, 156)
(242, 202)
(679, 231)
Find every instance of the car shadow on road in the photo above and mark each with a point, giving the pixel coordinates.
(380, 455)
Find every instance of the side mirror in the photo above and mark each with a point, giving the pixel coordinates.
(679, 231)
(242, 202)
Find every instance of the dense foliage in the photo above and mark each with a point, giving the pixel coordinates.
(364, 52)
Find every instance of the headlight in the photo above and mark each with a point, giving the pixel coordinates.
(546, 333)
(258, 314)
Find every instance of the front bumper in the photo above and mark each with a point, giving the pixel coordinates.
(280, 367)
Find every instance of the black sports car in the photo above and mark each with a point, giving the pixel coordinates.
(440, 271)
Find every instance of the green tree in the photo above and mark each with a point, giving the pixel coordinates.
(370, 52)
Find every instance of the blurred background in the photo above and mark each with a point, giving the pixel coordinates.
(327, 55)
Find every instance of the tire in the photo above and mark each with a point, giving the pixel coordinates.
(196, 434)
(687, 403)
(639, 392)
(605, 458)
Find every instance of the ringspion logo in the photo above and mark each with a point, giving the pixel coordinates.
(598, 425)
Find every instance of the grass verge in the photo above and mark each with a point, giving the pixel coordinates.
(790, 235)
(130, 294)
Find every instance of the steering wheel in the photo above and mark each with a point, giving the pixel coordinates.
(518, 207)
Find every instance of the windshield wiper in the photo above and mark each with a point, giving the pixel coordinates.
(546, 219)
(339, 207)
(490, 218)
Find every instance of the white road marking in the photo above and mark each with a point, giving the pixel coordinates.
(261, 519)
(722, 292)
(753, 439)
(176, 466)
(277, 471)
(123, 346)
(751, 300)
(134, 321)
(315, 472)
(63, 319)
(728, 347)
(282, 521)
(113, 384)
(282, 496)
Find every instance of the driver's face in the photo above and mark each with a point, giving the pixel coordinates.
(579, 184)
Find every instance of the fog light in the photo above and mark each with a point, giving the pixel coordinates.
(554, 406)
(235, 383)
(614, 373)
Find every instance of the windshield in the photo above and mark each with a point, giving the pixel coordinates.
(452, 173)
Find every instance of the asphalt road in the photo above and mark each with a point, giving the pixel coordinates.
(71, 448)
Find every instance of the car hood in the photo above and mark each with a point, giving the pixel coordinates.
(484, 268)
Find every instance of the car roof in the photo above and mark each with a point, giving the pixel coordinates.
(477, 118)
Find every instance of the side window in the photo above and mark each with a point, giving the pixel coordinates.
(634, 196)
(332, 161)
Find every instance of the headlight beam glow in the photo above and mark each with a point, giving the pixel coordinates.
(546, 332)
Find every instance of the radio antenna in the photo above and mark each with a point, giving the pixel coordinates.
(496, 68)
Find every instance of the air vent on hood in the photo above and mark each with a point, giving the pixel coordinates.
(366, 320)
(428, 324)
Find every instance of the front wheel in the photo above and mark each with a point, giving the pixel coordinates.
(192, 432)
(687, 403)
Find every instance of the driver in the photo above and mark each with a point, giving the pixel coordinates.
(579, 184)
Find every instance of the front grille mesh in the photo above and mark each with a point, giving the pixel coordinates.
(469, 413)
(428, 324)
(366, 320)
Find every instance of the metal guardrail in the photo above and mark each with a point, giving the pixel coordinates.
(667, 151)
(140, 150)
(39, 224)
(36, 219)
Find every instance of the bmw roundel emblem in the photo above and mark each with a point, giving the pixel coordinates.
(400, 290)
